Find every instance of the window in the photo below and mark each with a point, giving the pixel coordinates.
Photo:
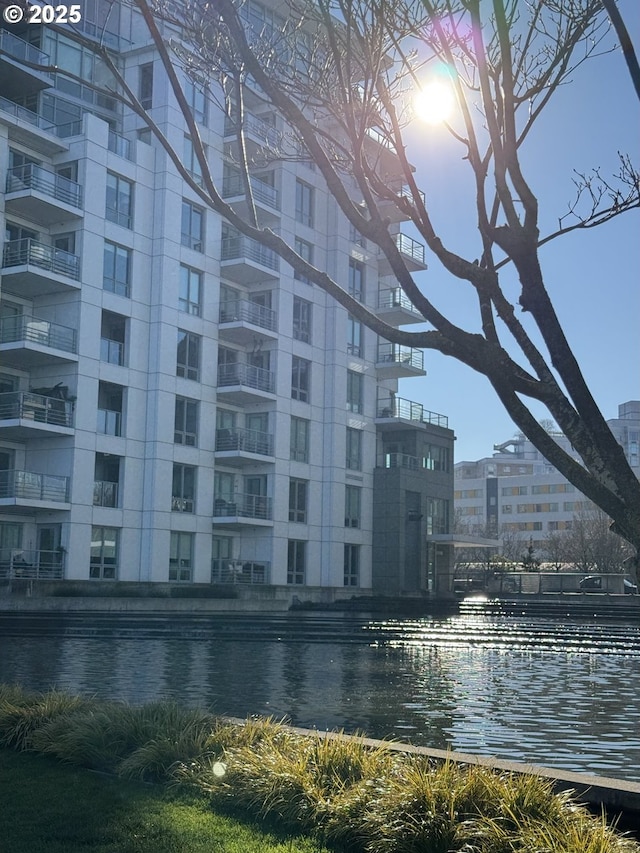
(186, 422)
(183, 490)
(298, 490)
(305, 250)
(119, 200)
(437, 516)
(110, 408)
(145, 85)
(356, 237)
(103, 563)
(190, 290)
(354, 336)
(304, 203)
(301, 320)
(352, 502)
(300, 379)
(112, 338)
(106, 480)
(436, 458)
(181, 557)
(188, 355)
(351, 565)
(299, 439)
(296, 561)
(116, 272)
(191, 162)
(197, 101)
(192, 227)
(354, 392)
(356, 279)
(354, 449)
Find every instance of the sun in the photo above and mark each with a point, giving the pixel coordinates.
(435, 102)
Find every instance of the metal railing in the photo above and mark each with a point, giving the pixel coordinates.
(402, 460)
(37, 331)
(398, 407)
(26, 405)
(105, 493)
(28, 485)
(31, 565)
(243, 506)
(398, 354)
(109, 422)
(72, 128)
(29, 251)
(232, 310)
(265, 133)
(395, 297)
(263, 193)
(119, 145)
(249, 440)
(34, 177)
(237, 247)
(410, 247)
(240, 571)
(246, 374)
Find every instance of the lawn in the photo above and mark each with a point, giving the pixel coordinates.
(48, 807)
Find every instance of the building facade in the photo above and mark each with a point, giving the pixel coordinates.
(176, 405)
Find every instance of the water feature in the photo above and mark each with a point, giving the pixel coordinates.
(561, 693)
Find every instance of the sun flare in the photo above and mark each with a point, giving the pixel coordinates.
(435, 102)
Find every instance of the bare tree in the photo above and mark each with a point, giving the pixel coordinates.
(591, 546)
(342, 73)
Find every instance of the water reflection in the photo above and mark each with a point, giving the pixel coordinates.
(571, 700)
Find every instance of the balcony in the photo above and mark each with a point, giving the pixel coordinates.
(243, 384)
(119, 145)
(28, 341)
(31, 268)
(391, 409)
(243, 446)
(105, 493)
(111, 351)
(42, 196)
(241, 320)
(25, 415)
(240, 571)
(246, 261)
(254, 510)
(412, 252)
(109, 422)
(394, 361)
(21, 490)
(33, 130)
(31, 565)
(265, 197)
(15, 78)
(390, 210)
(402, 460)
(395, 308)
(262, 140)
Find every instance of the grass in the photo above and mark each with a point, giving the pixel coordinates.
(338, 791)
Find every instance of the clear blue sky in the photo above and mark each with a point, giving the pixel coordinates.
(593, 276)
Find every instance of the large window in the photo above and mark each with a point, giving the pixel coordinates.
(356, 279)
(352, 506)
(197, 100)
(304, 203)
(116, 272)
(119, 200)
(305, 250)
(192, 227)
(351, 565)
(437, 516)
(183, 490)
(301, 320)
(300, 379)
(103, 564)
(186, 422)
(354, 392)
(354, 336)
(298, 492)
(188, 355)
(190, 290)
(354, 449)
(299, 439)
(181, 557)
(437, 458)
(296, 561)
(145, 85)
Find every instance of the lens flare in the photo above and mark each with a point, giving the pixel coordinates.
(435, 102)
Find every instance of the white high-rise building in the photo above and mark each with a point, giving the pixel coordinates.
(176, 406)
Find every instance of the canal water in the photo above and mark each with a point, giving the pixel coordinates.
(560, 693)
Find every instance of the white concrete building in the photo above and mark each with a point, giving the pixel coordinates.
(176, 406)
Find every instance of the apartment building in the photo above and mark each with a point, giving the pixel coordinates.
(519, 493)
(176, 405)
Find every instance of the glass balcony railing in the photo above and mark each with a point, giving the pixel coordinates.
(248, 440)
(261, 130)
(234, 248)
(233, 310)
(400, 355)
(402, 460)
(35, 331)
(71, 128)
(34, 177)
(395, 297)
(27, 485)
(111, 351)
(20, 49)
(109, 422)
(28, 251)
(26, 405)
(119, 145)
(105, 493)
(248, 375)
(398, 407)
(263, 193)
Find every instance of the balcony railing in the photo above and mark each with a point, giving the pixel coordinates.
(20, 49)
(397, 407)
(244, 310)
(237, 247)
(111, 351)
(260, 130)
(243, 506)
(27, 485)
(36, 331)
(26, 405)
(109, 422)
(263, 193)
(72, 128)
(119, 145)
(34, 177)
(395, 297)
(240, 571)
(402, 460)
(31, 565)
(398, 354)
(29, 251)
(246, 374)
(248, 440)
(410, 247)
(105, 493)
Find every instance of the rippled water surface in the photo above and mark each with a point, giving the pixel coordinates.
(562, 694)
